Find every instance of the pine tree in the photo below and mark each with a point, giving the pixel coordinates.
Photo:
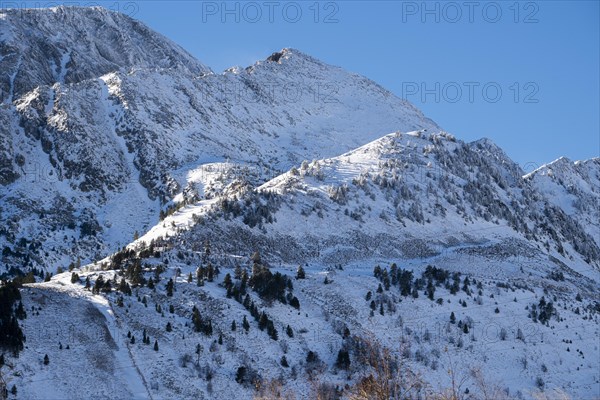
(237, 273)
(13, 390)
(300, 273)
(169, 327)
(156, 345)
(289, 331)
(20, 311)
(246, 324)
(264, 320)
(343, 360)
(220, 341)
(171, 308)
(227, 282)
(272, 331)
(210, 273)
(151, 283)
(452, 318)
(190, 278)
(284, 362)
(379, 289)
(46, 360)
(373, 305)
(415, 293)
(294, 302)
(170, 287)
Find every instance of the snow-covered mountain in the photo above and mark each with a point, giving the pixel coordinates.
(88, 161)
(428, 262)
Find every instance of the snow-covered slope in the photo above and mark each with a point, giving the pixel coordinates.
(411, 195)
(575, 188)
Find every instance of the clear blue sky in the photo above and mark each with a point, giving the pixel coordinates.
(543, 56)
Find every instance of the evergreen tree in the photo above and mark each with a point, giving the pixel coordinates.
(151, 283)
(170, 287)
(98, 285)
(227, 282)
(452, 318)
(430, 289)
(415, 293)
(20, 312)
(220, 341)
(210, 273)
(284, 362)
(156, 345)
(264, 320)
(272, 331)
(237, 273)
(169, 327)
(233, 326)
(343, 360)
(13, 390)
(289, 331)
(206, 255)
(300, 274)
(246, 324)
(373, 305)
(46, 360)
(190, 278)
(240, 375)
(294, 302)
(171, 308)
